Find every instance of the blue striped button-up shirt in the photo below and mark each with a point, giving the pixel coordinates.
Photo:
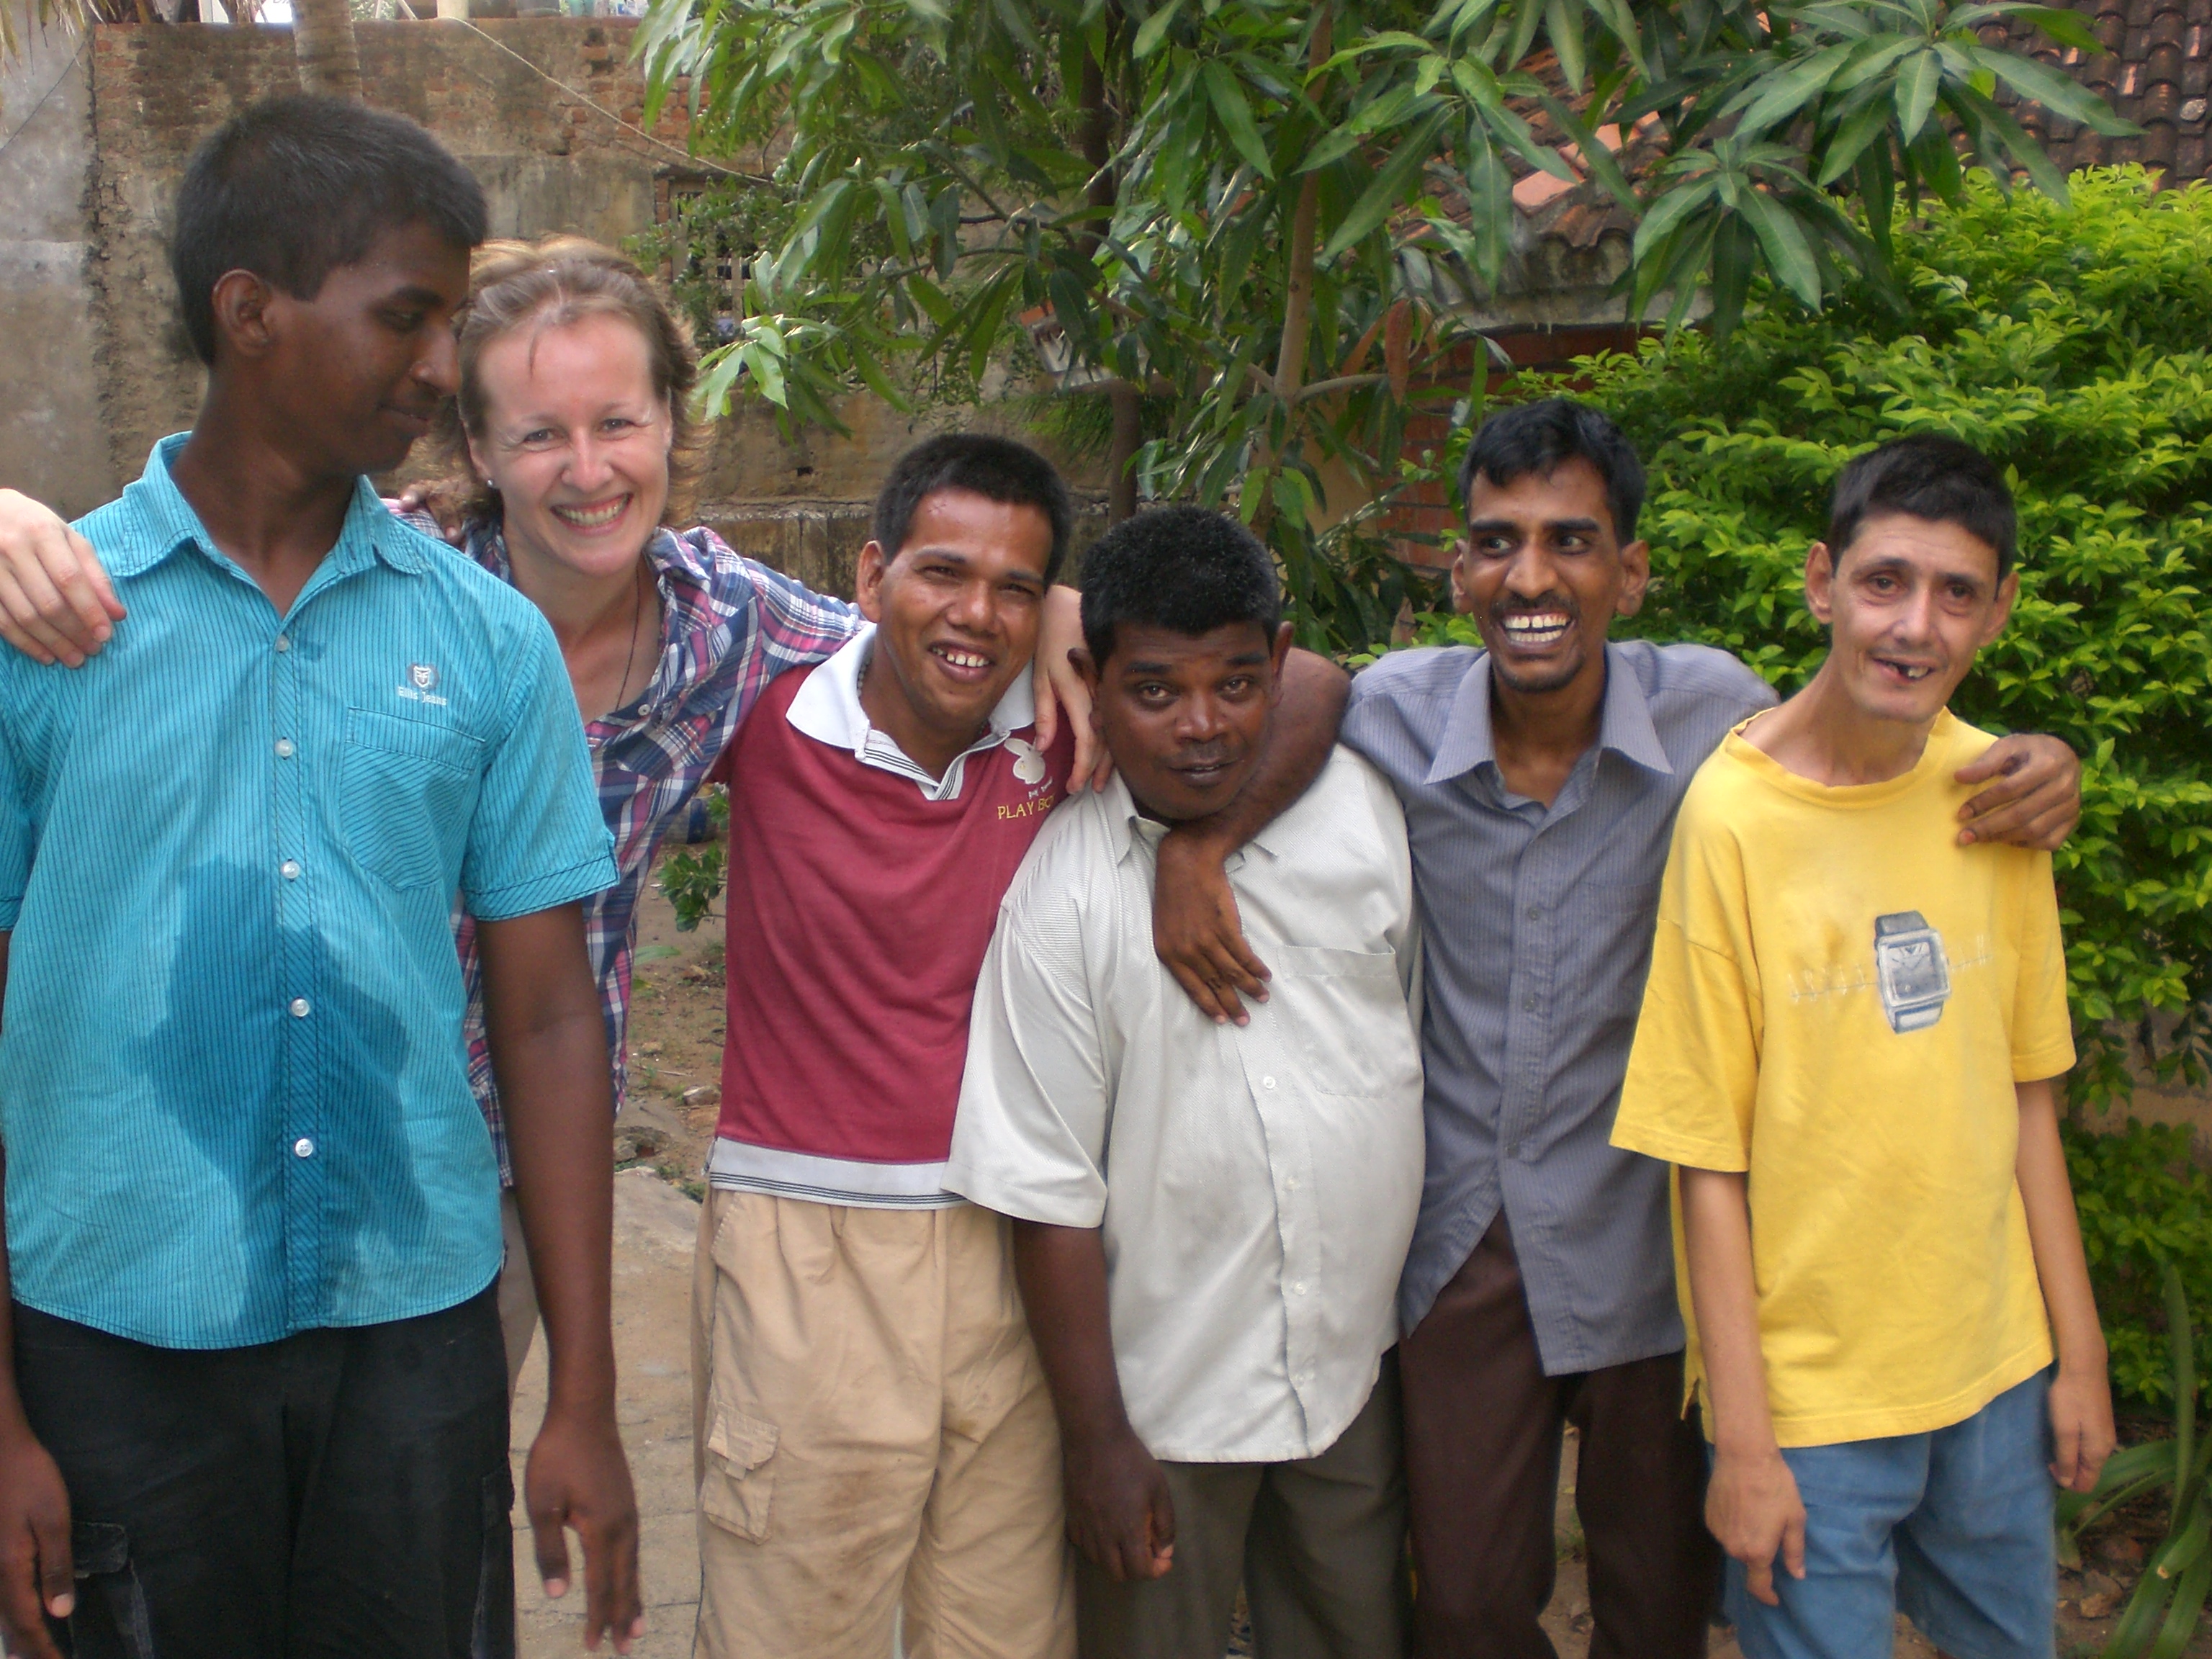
(233, 1093)
(1537, 923)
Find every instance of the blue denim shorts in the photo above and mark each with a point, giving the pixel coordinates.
(1952, 1527)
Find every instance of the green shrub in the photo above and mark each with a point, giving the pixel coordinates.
(2145, 1206)
(2071, 343)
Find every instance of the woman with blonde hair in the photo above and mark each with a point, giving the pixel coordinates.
(574, 432)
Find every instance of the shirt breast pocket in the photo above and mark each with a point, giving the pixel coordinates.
(1347, 1012)
(406, 791)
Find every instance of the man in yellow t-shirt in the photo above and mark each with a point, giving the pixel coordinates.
(1846, 1045)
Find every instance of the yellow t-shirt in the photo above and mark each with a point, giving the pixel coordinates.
(1841, 999)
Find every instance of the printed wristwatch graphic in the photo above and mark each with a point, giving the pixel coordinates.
(1915, 977)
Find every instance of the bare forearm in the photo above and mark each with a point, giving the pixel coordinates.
(2054, 1231)
(1315, 692)
(549, 1056)
(1724, 1294)
(1062, 1273)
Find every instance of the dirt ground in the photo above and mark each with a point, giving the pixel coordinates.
(675, 1047)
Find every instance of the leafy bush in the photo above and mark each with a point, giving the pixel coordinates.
(2145, 1208)
(2070, 343)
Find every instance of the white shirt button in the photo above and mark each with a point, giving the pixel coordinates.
(284, 642)
(283, 749)
(289, 869)
(1290, 1183)
(1298, 1289)
(298, 1007)
(1266, 1083)
(303, 1147)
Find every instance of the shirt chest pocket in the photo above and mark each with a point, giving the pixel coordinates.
(1347, 1012)
(406, 791)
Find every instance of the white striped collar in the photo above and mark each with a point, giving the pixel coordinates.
(828, 709)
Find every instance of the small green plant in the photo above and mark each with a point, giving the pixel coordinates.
(691, 880)
(2162, 1614)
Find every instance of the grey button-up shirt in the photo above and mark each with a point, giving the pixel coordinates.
(1538, 924)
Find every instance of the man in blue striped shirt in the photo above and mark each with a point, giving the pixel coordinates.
(257, 1405)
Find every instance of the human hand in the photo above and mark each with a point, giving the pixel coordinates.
(1061, 693)
(38, 1578)
(577, 1478)
(1753, 1508)
(1118, 1512)
(56, 602)
(2081, 1425)
(440, 504)
(2034, 797)
(1196, 931)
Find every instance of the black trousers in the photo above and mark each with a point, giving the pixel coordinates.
(1483, 1426)
(341, 1494)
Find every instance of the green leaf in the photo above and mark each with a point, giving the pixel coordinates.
(1563, 23)
(1154, 30)
(2066, 27)
(1786, 94)
(1918, 82)
(1489, 204)
(931, 300)
(1788, 255)
(1229, 103)
(871, 372)
(2061, 94)
(1733, 241)
(1390, 189)
(2188, 1597)
(1858, 130)
(1596, 157)
(1669, 210)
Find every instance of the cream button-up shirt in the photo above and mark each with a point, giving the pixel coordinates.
(1256, 1185)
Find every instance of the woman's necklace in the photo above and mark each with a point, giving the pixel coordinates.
(637, 617)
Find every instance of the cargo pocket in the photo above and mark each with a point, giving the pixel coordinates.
(740, 1479)
(111, 1620)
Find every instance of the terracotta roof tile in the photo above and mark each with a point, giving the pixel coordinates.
(2157, 74)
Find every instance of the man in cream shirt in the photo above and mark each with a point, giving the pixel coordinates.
(1210, 1218)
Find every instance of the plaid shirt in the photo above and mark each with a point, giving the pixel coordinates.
(731, 625)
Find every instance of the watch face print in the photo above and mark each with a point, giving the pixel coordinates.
(1909, 965)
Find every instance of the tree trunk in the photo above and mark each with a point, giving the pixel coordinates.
(1121, 453)
(322, 40)
(1297, 300)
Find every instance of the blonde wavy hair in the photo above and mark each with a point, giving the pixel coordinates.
(515, 285)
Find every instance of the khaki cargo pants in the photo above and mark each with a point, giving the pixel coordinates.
(873, 1430)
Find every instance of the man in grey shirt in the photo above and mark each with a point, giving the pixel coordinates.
(1540, 778)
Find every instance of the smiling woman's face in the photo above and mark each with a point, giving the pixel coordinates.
(575, 441)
